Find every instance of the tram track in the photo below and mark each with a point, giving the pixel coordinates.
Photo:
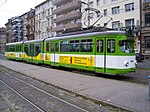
(22, 96)
(26, 91)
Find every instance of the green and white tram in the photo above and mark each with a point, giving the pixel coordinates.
(108, 52)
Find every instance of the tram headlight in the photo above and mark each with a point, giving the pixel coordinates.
(126, 63)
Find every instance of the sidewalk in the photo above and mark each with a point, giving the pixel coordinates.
(122, 94)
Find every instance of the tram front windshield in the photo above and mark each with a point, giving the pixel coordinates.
(126, 46)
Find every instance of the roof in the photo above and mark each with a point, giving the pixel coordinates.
(87, 34)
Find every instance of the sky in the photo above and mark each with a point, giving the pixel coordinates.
(12, 8)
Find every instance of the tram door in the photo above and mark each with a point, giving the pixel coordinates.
(54, 50)
(31, 52)
(100, 58)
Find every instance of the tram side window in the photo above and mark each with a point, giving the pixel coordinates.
(57, 47)
(74, 46)
(37, 48)
(52, 47)
(11, 48)
(100, 46)
(47, 47)
(64, 46)
(111, 45)
(86, 45)
(26, 48)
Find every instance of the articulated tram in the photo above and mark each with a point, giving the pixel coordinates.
(108, 52)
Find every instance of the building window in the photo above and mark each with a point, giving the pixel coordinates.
(129, 7)
(105, 12)
(115, 10)
(147, 19)
(98, 2)
(104, 1)
(90, 4)
(129, 23)
(116, 25)
(147, 1)
(147, 42)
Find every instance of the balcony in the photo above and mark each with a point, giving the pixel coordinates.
(67, 7)
(58, 2)
(58, 28)
(67, 27)
(73, 26)
(67, 17)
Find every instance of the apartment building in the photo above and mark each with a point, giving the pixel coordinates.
(23, 28)
(67, 16)
(124, 13)
(31, 24)
(145, 37)
(8, 31)
(116, 14)
(17, 32)
(43, 18)
(2, 38)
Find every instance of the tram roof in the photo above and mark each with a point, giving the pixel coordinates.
(87, 34)
(31, 41)
(14, 43)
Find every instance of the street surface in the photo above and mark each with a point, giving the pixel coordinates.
(140, 76)
(27, 94)
(125, 92)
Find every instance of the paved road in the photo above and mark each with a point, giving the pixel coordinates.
(123, 94)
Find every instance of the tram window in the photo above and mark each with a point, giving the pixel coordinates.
(47, 47)
(11, 48)
(26, 48)
(52, 47)
(99, 46)
(86, 45)
(64, 46)
(74, 46)
(56, 47)
(111, 45)
(37, 48)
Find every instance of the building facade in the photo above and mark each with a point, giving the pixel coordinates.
(43, 18)
(2, 38)
(30, 25)
(17, 32)
(23, 28)
(145, 36)
(124, 13)
(8, 31)
(67, 16)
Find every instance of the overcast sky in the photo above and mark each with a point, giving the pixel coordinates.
(12, 8)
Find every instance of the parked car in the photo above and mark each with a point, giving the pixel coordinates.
(139, 57)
